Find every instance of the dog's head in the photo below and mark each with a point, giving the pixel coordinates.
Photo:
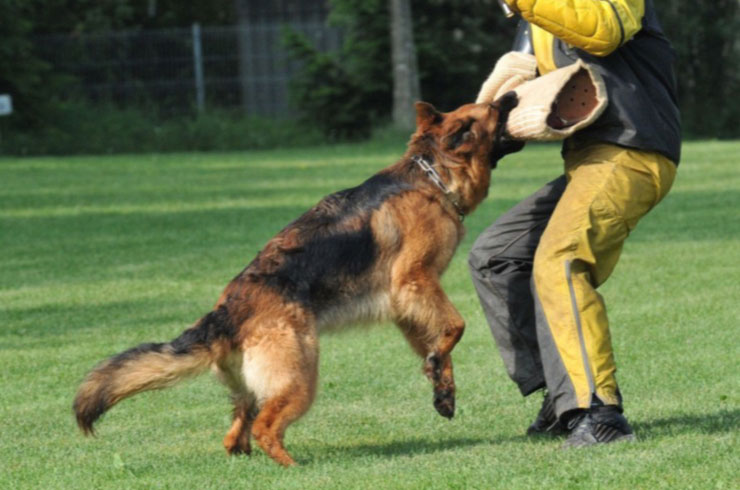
(467, 142)
(471, 134)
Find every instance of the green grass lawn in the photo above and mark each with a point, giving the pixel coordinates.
(102, 253)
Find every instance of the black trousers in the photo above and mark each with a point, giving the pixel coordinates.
(501, 263)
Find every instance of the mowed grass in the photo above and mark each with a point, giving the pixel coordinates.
(102, 253)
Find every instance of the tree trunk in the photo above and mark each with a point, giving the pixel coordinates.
(406, 89)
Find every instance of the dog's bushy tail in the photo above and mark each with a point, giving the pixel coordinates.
(153, 366)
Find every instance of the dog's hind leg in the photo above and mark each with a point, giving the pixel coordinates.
(282, 371)
(273, 419)
(236, 440)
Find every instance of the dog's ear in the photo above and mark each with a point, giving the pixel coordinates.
(426, 115)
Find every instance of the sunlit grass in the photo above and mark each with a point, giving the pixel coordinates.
(101, 253)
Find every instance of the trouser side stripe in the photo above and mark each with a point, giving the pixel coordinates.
(577, 316)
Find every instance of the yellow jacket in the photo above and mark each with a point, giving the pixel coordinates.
(595, 26)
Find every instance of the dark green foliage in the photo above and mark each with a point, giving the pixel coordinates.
(328, 95)
(366, 49)
(705, 35)
(81, 127)
(176, 13)
(85, 16)
(458, 42)
(38, 88)
(343, 93)
(22, 75)
(346, 92)
(80, 16)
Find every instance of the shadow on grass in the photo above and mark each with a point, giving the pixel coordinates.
(406, 447)
(726, 420)
(719, 422)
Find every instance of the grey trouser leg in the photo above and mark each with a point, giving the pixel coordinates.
(501, 266)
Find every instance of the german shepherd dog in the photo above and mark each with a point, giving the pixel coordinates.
(373, 252)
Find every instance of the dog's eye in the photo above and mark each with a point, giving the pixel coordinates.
(460, 136)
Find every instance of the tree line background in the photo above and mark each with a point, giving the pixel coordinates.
(340, 94)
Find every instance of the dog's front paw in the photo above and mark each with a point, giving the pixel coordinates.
(444, 403)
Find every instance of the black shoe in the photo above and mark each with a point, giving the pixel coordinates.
(547, 422)
(598, 425)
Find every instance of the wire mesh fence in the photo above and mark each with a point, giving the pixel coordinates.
(177, 71)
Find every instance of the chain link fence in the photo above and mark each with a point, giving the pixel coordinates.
(177, 71)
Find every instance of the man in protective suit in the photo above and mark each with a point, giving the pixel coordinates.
(537, 268)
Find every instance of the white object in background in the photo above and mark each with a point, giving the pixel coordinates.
(6, 105)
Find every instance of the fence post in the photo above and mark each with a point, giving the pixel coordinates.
(200, 89)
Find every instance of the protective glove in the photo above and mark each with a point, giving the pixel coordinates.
(556, 105)
(511, 70)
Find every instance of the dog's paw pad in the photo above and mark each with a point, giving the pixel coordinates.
(444, 403)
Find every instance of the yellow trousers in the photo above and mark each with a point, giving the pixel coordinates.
(536, 270)
(608, 190)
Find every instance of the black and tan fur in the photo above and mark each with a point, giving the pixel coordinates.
(372, 252)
